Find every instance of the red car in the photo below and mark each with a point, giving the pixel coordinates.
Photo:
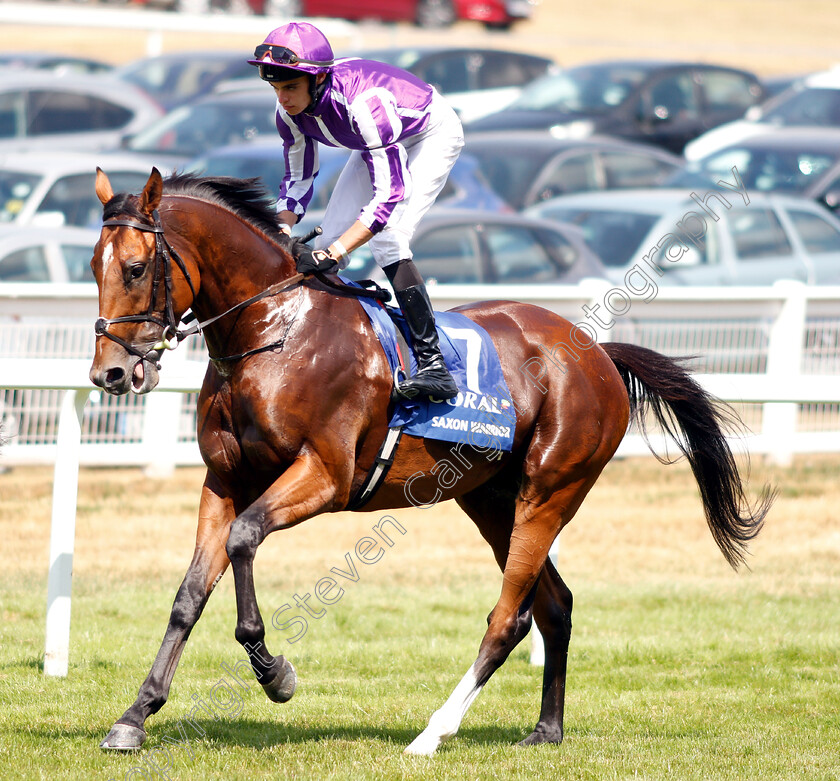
(498, 14)
(426, 13)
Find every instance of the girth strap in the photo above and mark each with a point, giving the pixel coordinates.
(379, 471)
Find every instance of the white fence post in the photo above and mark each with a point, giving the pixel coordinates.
(161, 420)
(784, 360)
(63, 533)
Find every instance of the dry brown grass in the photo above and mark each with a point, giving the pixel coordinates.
(641, 522)
(767, 36)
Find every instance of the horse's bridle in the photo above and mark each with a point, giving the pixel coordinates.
(172, 335)
(164, 253)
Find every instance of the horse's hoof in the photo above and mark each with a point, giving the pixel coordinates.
(424, 745)
(123, 737)
(543, 734)
(282, 686)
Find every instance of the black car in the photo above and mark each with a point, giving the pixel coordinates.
(529, 166)
(476, 81)
(662, 103)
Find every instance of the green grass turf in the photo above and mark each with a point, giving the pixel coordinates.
(682, 682)
(678, 668)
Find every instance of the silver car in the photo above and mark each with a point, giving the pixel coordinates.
(705, 237)
(46, 255)
(470, 247)
(54, 189)
(47, 111)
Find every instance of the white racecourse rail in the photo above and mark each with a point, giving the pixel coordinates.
(772, 352)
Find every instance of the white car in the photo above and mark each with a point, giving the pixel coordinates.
(46, 255)
(54, 189)
(48, 111)
(813, 100)
(669, 237)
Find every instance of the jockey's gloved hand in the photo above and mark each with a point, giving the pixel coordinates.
(309, 261)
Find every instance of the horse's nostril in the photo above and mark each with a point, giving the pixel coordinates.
(114, 377)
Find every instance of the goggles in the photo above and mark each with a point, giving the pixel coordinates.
(282, 55)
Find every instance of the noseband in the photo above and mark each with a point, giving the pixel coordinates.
(164, 255)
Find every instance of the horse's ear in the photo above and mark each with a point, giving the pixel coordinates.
(152, 192)
(104, 191)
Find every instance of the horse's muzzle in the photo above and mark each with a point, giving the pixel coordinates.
(136, 375)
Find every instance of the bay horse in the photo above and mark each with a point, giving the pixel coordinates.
(295, 404)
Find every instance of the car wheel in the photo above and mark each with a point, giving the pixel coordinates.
(435, 13)
(284, 8)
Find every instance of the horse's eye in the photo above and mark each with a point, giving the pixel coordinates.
(136, 271)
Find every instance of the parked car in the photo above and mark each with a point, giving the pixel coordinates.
(195, 128)
(176, 77)
(53, 189)
(661, 103)
(528, 166)
(265, 158)
(46, 255)
(476, 81)
(793, 160)
(497, 14)
(462, 246)
(776, 85)
(53, 62)
(773, 237)
(43, 110)
(811, 101)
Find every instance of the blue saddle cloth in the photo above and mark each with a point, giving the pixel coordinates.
(482, 415)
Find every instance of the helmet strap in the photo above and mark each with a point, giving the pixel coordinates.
(316, 90)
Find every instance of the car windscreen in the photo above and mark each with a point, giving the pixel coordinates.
(173, 82)
(770, 170)
(589, 89)
(15, 188)
(193, 129)
(809, 106)
(509, 173)
(270, 169)
(612, 234)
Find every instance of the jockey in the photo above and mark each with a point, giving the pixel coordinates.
(405, 139)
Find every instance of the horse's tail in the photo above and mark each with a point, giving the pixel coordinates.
(697, 422)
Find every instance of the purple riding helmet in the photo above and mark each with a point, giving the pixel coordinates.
(292, 50)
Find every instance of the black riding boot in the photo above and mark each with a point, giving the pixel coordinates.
(432, 377)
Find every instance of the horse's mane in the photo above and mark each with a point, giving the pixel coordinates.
(247, 198)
